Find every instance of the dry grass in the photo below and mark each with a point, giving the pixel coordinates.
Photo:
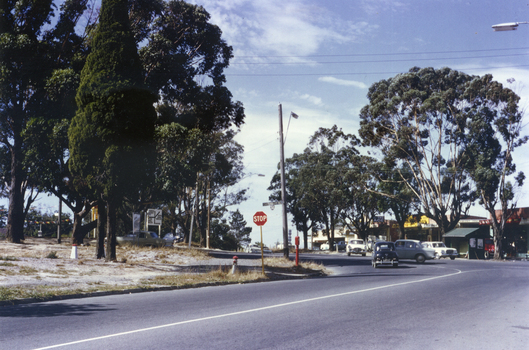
(222, 275)
(41, 270)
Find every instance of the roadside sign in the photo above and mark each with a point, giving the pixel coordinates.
(259, 218)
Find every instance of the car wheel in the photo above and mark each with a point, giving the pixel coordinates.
(349, 254)
(420, 258)
(364, 254)
(452, 258)
(396, 264)
(375, 265)
(487, 254)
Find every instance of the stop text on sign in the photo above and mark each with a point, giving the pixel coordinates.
(259, 218)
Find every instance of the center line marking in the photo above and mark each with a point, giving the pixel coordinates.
(246, 311)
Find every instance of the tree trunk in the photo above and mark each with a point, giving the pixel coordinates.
(111, 231)
(15, 217)
(79, 230)
(101, 229)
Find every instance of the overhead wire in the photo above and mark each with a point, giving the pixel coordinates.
(413, 59)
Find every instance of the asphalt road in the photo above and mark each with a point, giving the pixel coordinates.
(441, 304)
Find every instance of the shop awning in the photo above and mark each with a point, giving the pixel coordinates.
(460, 232)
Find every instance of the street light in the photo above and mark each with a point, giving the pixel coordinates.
(282, 166)
(502, 27)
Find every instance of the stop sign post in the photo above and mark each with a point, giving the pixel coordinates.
(259, 219)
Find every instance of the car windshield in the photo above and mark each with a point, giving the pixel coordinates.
(356, 241)
(439, 245)
(385, 246)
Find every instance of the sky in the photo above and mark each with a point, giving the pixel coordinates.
(318, 58)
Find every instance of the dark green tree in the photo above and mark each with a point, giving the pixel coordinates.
(239, 230)
(32, 52)
(112, 134)
(418, 120)
(395, 194)
(495, 124)
(361, 200)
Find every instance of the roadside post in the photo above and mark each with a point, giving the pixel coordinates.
(259, 219)
(296, 240)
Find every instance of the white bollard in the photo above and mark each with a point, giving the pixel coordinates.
(74, 252)
(234, 266)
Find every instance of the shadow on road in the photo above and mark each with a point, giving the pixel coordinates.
(51, 310)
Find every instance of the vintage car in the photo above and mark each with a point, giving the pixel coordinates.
(412, 249)
(356, 246)
(142, 238)
(441, 250)
(384, 253)
(340, 245)
(256, 248)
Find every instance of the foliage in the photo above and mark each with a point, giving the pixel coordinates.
(418, 122)
(111, 137)
(495, 124)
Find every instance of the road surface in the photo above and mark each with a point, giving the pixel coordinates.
(441, 304)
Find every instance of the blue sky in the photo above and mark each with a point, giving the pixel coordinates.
(318, 59)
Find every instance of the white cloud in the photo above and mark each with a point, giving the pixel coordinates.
(312, 99)
(336, 81)
(280, 28)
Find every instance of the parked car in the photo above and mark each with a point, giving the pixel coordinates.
(384, 253)
(412, 249)
(142, 238)
(256, 248)
(324, 246)
(340, 245)
(356, 246)
(441, 250)
(172, 238)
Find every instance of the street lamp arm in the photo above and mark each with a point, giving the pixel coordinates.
(507, 26)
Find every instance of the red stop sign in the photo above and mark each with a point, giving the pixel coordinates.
(259, 218)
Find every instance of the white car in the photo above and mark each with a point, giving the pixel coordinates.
(441, 250)
(324, 246)
(356, 246)
(256, 248)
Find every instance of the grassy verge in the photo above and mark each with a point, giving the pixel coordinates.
(276, 268)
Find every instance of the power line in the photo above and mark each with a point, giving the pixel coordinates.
(380, 61)
(350, 73)
(383, 54)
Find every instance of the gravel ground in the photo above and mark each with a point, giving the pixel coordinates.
(40, 261)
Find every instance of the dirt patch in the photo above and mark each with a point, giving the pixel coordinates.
(43, 262)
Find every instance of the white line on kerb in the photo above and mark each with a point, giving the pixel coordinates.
(245, 312)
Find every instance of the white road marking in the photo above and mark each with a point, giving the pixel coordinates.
(246, 311)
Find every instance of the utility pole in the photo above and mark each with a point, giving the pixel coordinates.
(283, 197)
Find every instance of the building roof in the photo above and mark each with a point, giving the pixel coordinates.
(460, 232)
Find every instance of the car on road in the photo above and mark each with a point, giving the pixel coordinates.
(340, 245)
(356, 246)
(256, 248)
(413, 250)
(172, 238)
(384, 253)
(142, 238)
(441, 250)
